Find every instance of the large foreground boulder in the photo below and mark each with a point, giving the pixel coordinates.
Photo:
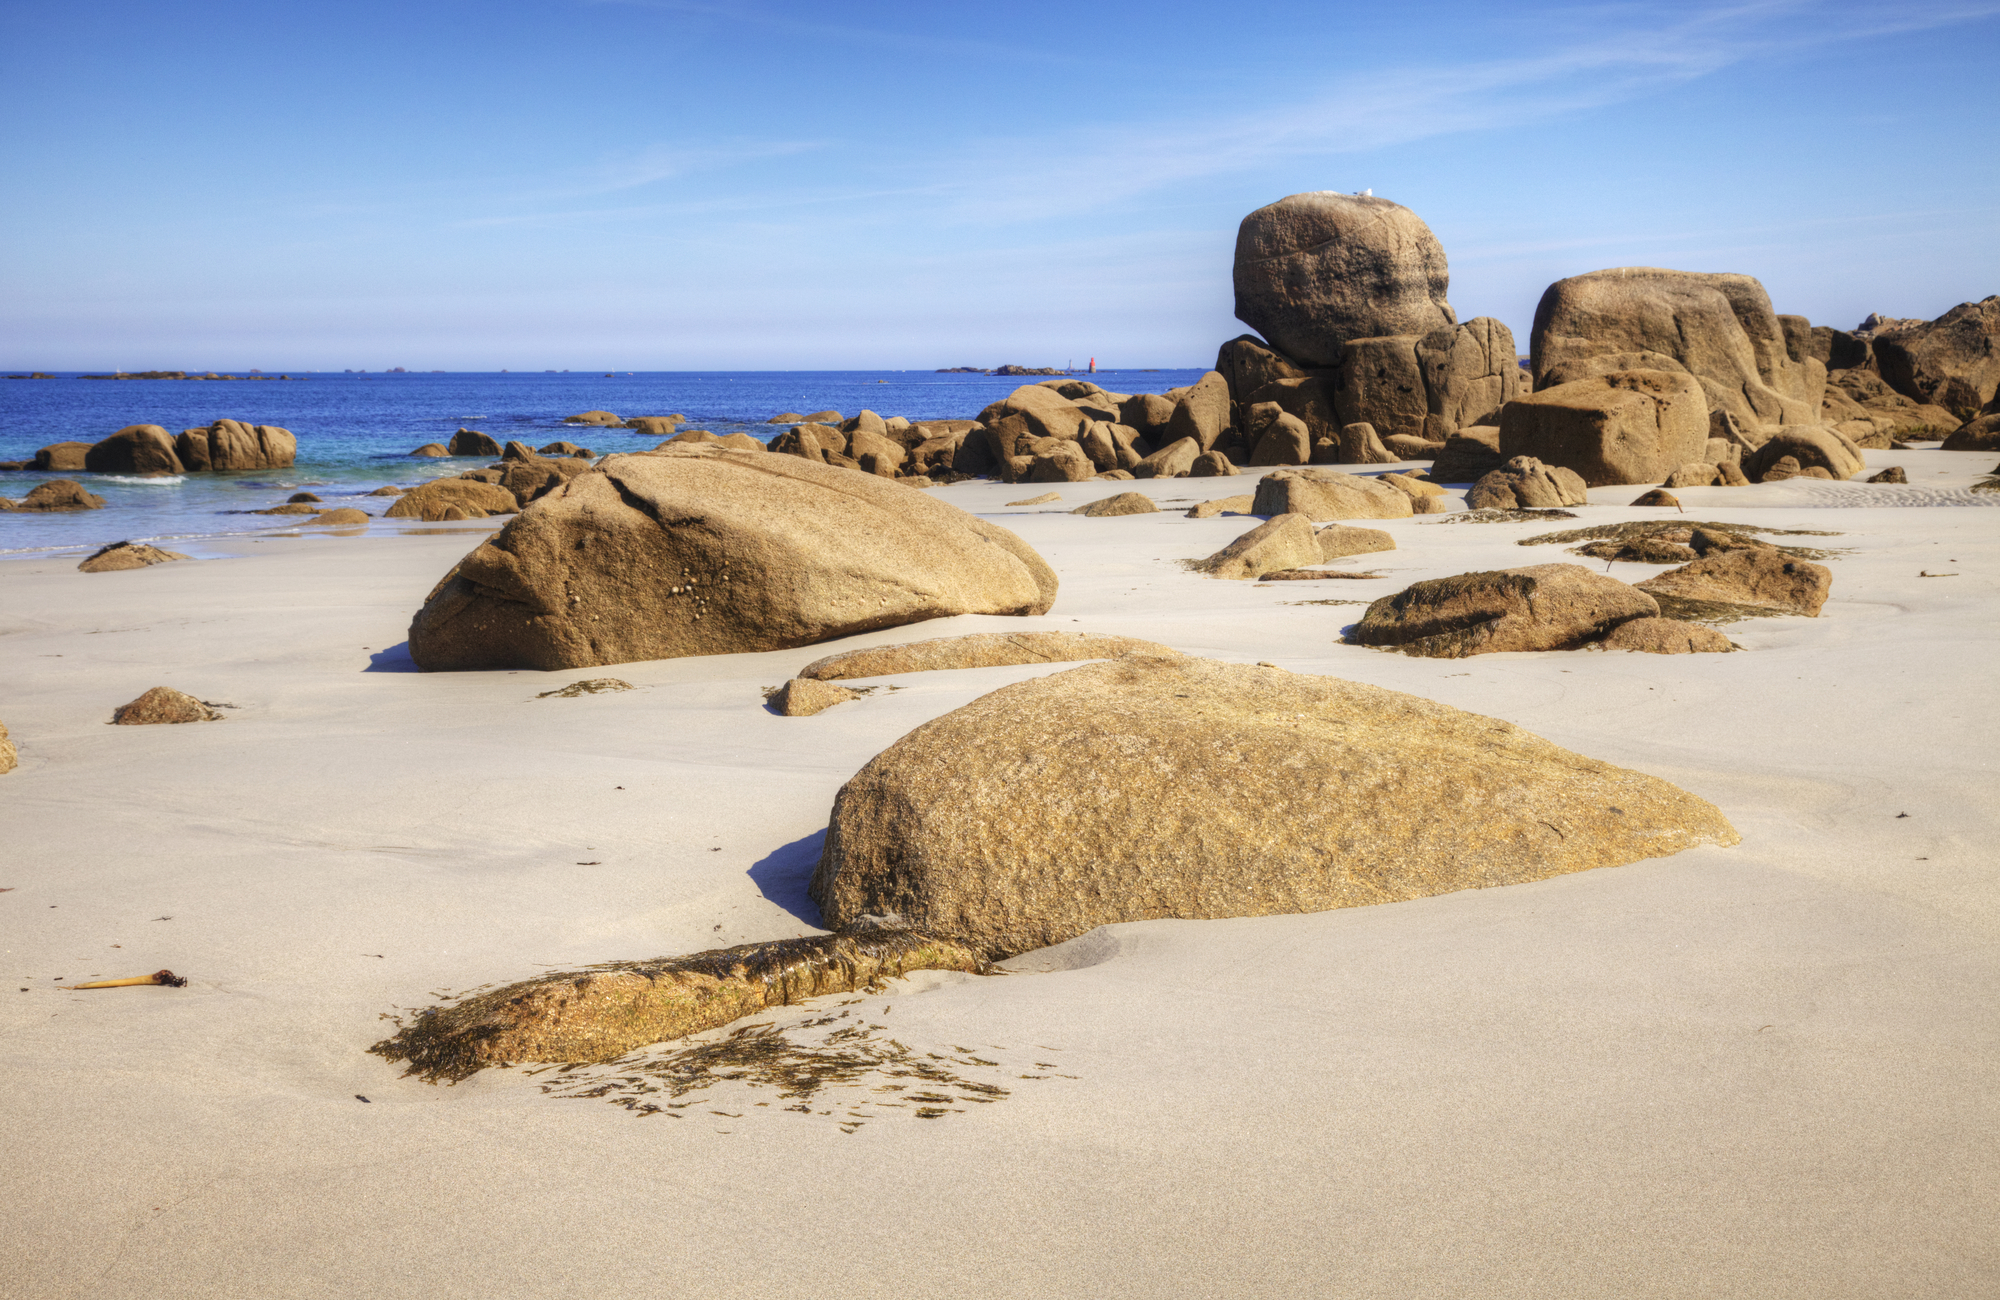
(1540, 607)
(712, 551)
(1316, 270)
(1719, 328)
(1185, 788)
(980, 650)
(1629, 426)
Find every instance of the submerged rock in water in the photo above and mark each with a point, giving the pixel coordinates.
(163, 704)
(712, 551)
(1150, 788)
(56, 494)
(600, 1014)
(981, 650)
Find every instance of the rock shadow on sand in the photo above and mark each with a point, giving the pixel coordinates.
(395, 659)
(783, 874)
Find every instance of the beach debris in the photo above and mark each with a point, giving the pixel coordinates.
(1496, 516)
(163, 704)
(1309, 575)
(710, 551)
(980, 650)
(589, 686)
(1699, 536)
(603, 1012)
(1761, 577)
(127, 555)
(1239, 505)
(1040, 811)
(1540, 607)
(1526, 482)
(165, 977)
(1125, 503)
(802, 697)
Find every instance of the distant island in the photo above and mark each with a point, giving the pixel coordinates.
(1001, 370)
(176, 374)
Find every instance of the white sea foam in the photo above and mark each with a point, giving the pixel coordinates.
(169, 480)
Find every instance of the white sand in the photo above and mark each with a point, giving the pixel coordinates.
(1762, 1071)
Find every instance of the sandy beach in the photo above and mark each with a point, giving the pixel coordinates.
(1767, 1070)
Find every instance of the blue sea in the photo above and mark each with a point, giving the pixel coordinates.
(356, 431)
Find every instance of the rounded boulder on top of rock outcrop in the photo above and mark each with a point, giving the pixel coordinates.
(980, 650)
(711, 551)
(1315, 270)
(1150, 788)
(1539, 607)
(160, 705)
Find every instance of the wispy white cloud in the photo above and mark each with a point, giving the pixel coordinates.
(765, 18)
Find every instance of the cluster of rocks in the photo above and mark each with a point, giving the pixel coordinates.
(150, 449)
(55, 495)
(1635, 375)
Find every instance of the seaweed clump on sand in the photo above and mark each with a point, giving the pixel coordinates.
(601, 1013)
(1665, 541)
(857, 1054)
(1496, 515)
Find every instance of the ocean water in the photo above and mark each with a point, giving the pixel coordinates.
(356, 431)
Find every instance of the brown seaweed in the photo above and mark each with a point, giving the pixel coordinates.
(604, 1012)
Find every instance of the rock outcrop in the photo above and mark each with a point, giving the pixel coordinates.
(602, 419)
(163, 704)
(1952, 362)
(1125, 503)
(135, 449)
(1314, 271)
(61, 458)
(1719, 328)
(980, 650)
(471, 498)
(127, 555)
(1628, 426)
(1540, 607)
(471, 442)
(709, 551)
(1289, 541)
(1185, 788)
(1809, 447)
(233, 445)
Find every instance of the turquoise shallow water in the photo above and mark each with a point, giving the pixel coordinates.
(356, 431)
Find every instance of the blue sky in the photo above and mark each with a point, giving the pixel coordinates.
(657, 185)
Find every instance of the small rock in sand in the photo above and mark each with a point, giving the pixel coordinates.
(344, 517)
(1893, 474)
(127, 555)
(1225, 505)
(802, 697)
(1657, 497)
(1041, 500)
(1125, 503)
(163, 704)
(1666, 636)
(980, 650)
(1764, 577)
